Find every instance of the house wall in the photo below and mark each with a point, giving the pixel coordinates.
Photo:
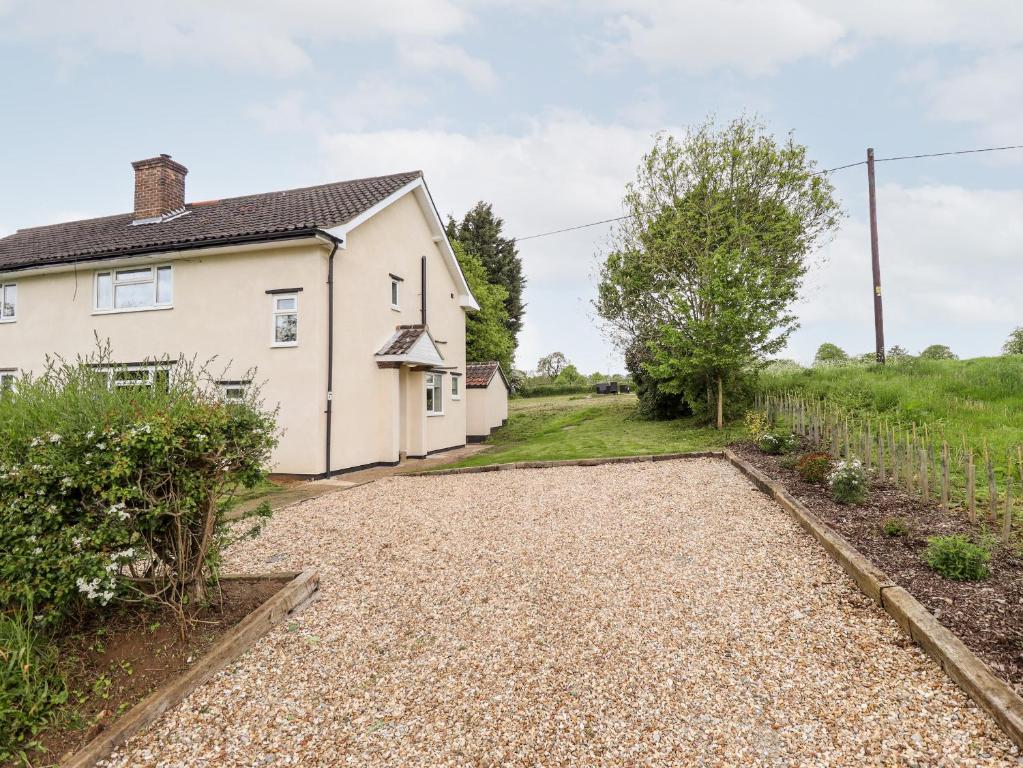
(220, 310)
(381, 412)
(487, 407)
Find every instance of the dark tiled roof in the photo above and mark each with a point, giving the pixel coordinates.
(291, 211)
(403, 339)
(479, 375)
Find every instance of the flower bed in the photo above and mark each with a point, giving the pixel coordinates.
(987, 615)
(111, 663)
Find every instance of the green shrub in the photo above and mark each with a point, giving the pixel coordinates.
(777, 443)
(895, 527)
(756, 424)
(788, 461)
(814, 467)
(118, 492)
(30, 686)
(957, 558)
(848, 482)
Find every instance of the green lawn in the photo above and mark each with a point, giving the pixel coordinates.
(583, 427)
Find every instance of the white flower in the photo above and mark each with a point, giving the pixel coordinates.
(101, 446)
(55, 438)
(36, 441)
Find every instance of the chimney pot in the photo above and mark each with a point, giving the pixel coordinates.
(159, 187)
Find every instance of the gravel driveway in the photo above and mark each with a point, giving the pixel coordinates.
(637, 614)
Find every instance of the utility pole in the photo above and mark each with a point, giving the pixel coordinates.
(875, 260)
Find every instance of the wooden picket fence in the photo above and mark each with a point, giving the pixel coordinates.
(958, 476)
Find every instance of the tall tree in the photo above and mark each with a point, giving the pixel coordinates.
(487, 336)
(479, 232)
(551, 365)
(1014, 344)
(704, 271)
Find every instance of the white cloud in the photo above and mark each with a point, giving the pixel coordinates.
(756, 38)
(432, 56)
(949, 272)
(237, 34)
(988, 93)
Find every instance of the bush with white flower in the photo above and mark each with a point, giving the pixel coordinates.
(114, 494)
(848, 482)
(777, 443)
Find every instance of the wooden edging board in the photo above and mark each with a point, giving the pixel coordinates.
(228, 648)
(988, 690)
(568, 463)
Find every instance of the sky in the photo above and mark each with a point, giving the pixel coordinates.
(545, 108)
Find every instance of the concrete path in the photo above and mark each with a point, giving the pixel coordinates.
(662, 614)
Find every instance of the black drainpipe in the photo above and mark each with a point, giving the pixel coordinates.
(423, 289)
(330, 345)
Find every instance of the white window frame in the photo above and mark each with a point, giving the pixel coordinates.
(152, 279)
(13, 317)
(275, 313)
(456, 386)
(434, 381)
(8, 380)
(229, 386)
(146, 374)
(396, 294)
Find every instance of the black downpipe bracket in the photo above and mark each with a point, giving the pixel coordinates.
(330, 348)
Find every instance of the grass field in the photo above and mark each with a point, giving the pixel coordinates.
(979, 400)
(583, 427)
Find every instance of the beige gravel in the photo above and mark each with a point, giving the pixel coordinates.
(640, 614)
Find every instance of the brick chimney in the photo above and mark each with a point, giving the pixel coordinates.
(159, 187)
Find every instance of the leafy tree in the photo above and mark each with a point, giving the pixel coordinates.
(570, 376)
(705, 269)
(487, 336)
(551, 365)
(830, 354)
(897, 354)
(1014, 344)
(479, 232)
(938, 352)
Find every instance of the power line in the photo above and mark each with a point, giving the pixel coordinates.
(815, 173)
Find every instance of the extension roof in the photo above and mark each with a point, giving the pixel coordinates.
(479, 375)
(271, 215)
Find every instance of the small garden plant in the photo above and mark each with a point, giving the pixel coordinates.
(957, 558)
(756, 424)
(777, 443)
(848, 482)
(895, 527)
(814, 467)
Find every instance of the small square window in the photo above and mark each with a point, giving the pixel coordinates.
(285, 320)
(233, 391)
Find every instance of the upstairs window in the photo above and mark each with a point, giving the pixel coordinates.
(123, 290)
(285, 319)
(434, 394)
(8, 303)
(396, 292)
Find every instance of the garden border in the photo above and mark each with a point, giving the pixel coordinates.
(568, 463)
(971, 674)
(233, 644)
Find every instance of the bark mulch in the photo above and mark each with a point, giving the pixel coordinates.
(986, 615)
(116, 660)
